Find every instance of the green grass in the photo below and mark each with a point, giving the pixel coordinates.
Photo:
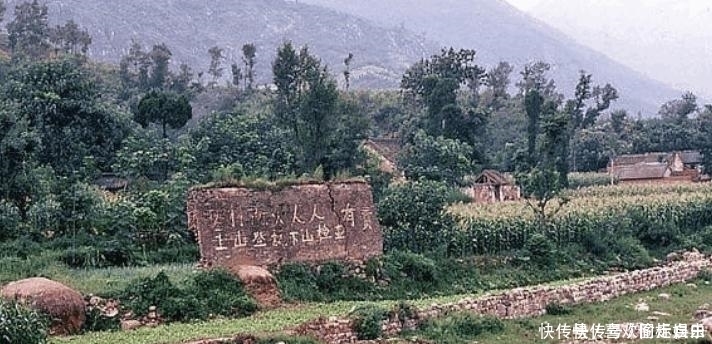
(262, 323)
(681, 307)
(105, 281)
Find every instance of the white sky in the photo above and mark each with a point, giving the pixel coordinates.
(524, 5)
(668, 40)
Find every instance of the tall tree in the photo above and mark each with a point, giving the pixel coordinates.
(679, 110)
(216, 58)
(160, 57)
(164, 108)
(63, 107)
(249, 58)
(347, 70)
(29, 31)
(70, 38)
(307, 104)
(236, 75)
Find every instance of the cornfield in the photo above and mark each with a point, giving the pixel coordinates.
(650, 213)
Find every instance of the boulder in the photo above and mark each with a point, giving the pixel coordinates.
(260, 284)
(64, 306)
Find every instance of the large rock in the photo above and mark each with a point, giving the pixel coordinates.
(64, 306)
(313, 222)
(260, 284)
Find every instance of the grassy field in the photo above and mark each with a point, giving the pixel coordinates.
(681, 305)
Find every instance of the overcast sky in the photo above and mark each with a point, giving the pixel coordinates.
(669, 40)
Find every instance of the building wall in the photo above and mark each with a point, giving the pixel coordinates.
(487, 193)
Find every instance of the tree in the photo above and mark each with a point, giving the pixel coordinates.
(236, 75)
(249, 53)
(307, 104)
(70, 38)
(215, 69)
(19, 143)
(436, 158)
(679, 110)
(135, 67)
(181, 82)
(347, 70)
(534, 78)
(29, 32)
(62, 105)
(164, 108)
(436, 83)
(498, 81)
(160, 58)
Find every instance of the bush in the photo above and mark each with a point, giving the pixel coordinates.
(368, 321)
(96, 321)
(20, 325)
(213, 293)
(413, 217)
(460, 328)
(558, 309)
(541, 250)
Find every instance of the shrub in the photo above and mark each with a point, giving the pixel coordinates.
(460, 327)
(368, 321)
(541, 249)
(413, 217)
(96, 321)
(20, 325)
(212, 293)
(558, 309)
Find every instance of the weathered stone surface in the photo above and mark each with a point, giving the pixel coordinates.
(63, 305)
(260, 284)
(301, 223)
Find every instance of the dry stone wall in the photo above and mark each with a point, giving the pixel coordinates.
(528, 302)
(300, 223)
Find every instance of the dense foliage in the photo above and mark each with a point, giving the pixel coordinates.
(19, 324)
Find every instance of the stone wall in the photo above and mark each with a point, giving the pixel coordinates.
(299, 223)
(528, 302)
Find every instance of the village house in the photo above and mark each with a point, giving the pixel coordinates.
(657, 167)
(492, 187)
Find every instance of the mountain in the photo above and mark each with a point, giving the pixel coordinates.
(499, 31)
(190, 28)
(666, 39)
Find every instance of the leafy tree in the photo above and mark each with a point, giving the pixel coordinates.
(61, 104)
(19, 144)
(180, 83)
(246, 140)
(436, 82)
(347, 70)
(249, 54)
(160, 57)
(70, 38)
(679, 110)
(436, 158)
(236, 75)
(164, 108)
(534, 78)
(29, 31)
(307, 104)
(498, 82)
(135, 67)
(216, 57)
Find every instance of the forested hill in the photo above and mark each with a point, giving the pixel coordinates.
(499, 31)
(190, 28)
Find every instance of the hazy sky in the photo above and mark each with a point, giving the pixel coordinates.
(668, 40)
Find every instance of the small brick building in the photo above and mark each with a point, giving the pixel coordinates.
(492, 186)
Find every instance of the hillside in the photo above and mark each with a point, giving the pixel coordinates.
(190, 28)
(641, 35)
(499, 31)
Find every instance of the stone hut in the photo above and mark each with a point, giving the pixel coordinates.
(492, 186)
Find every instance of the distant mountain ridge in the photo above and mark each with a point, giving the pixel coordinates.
(379, 33)
(498, 31)
(190, 28)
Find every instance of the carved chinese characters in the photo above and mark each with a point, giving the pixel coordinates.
(308, 223)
